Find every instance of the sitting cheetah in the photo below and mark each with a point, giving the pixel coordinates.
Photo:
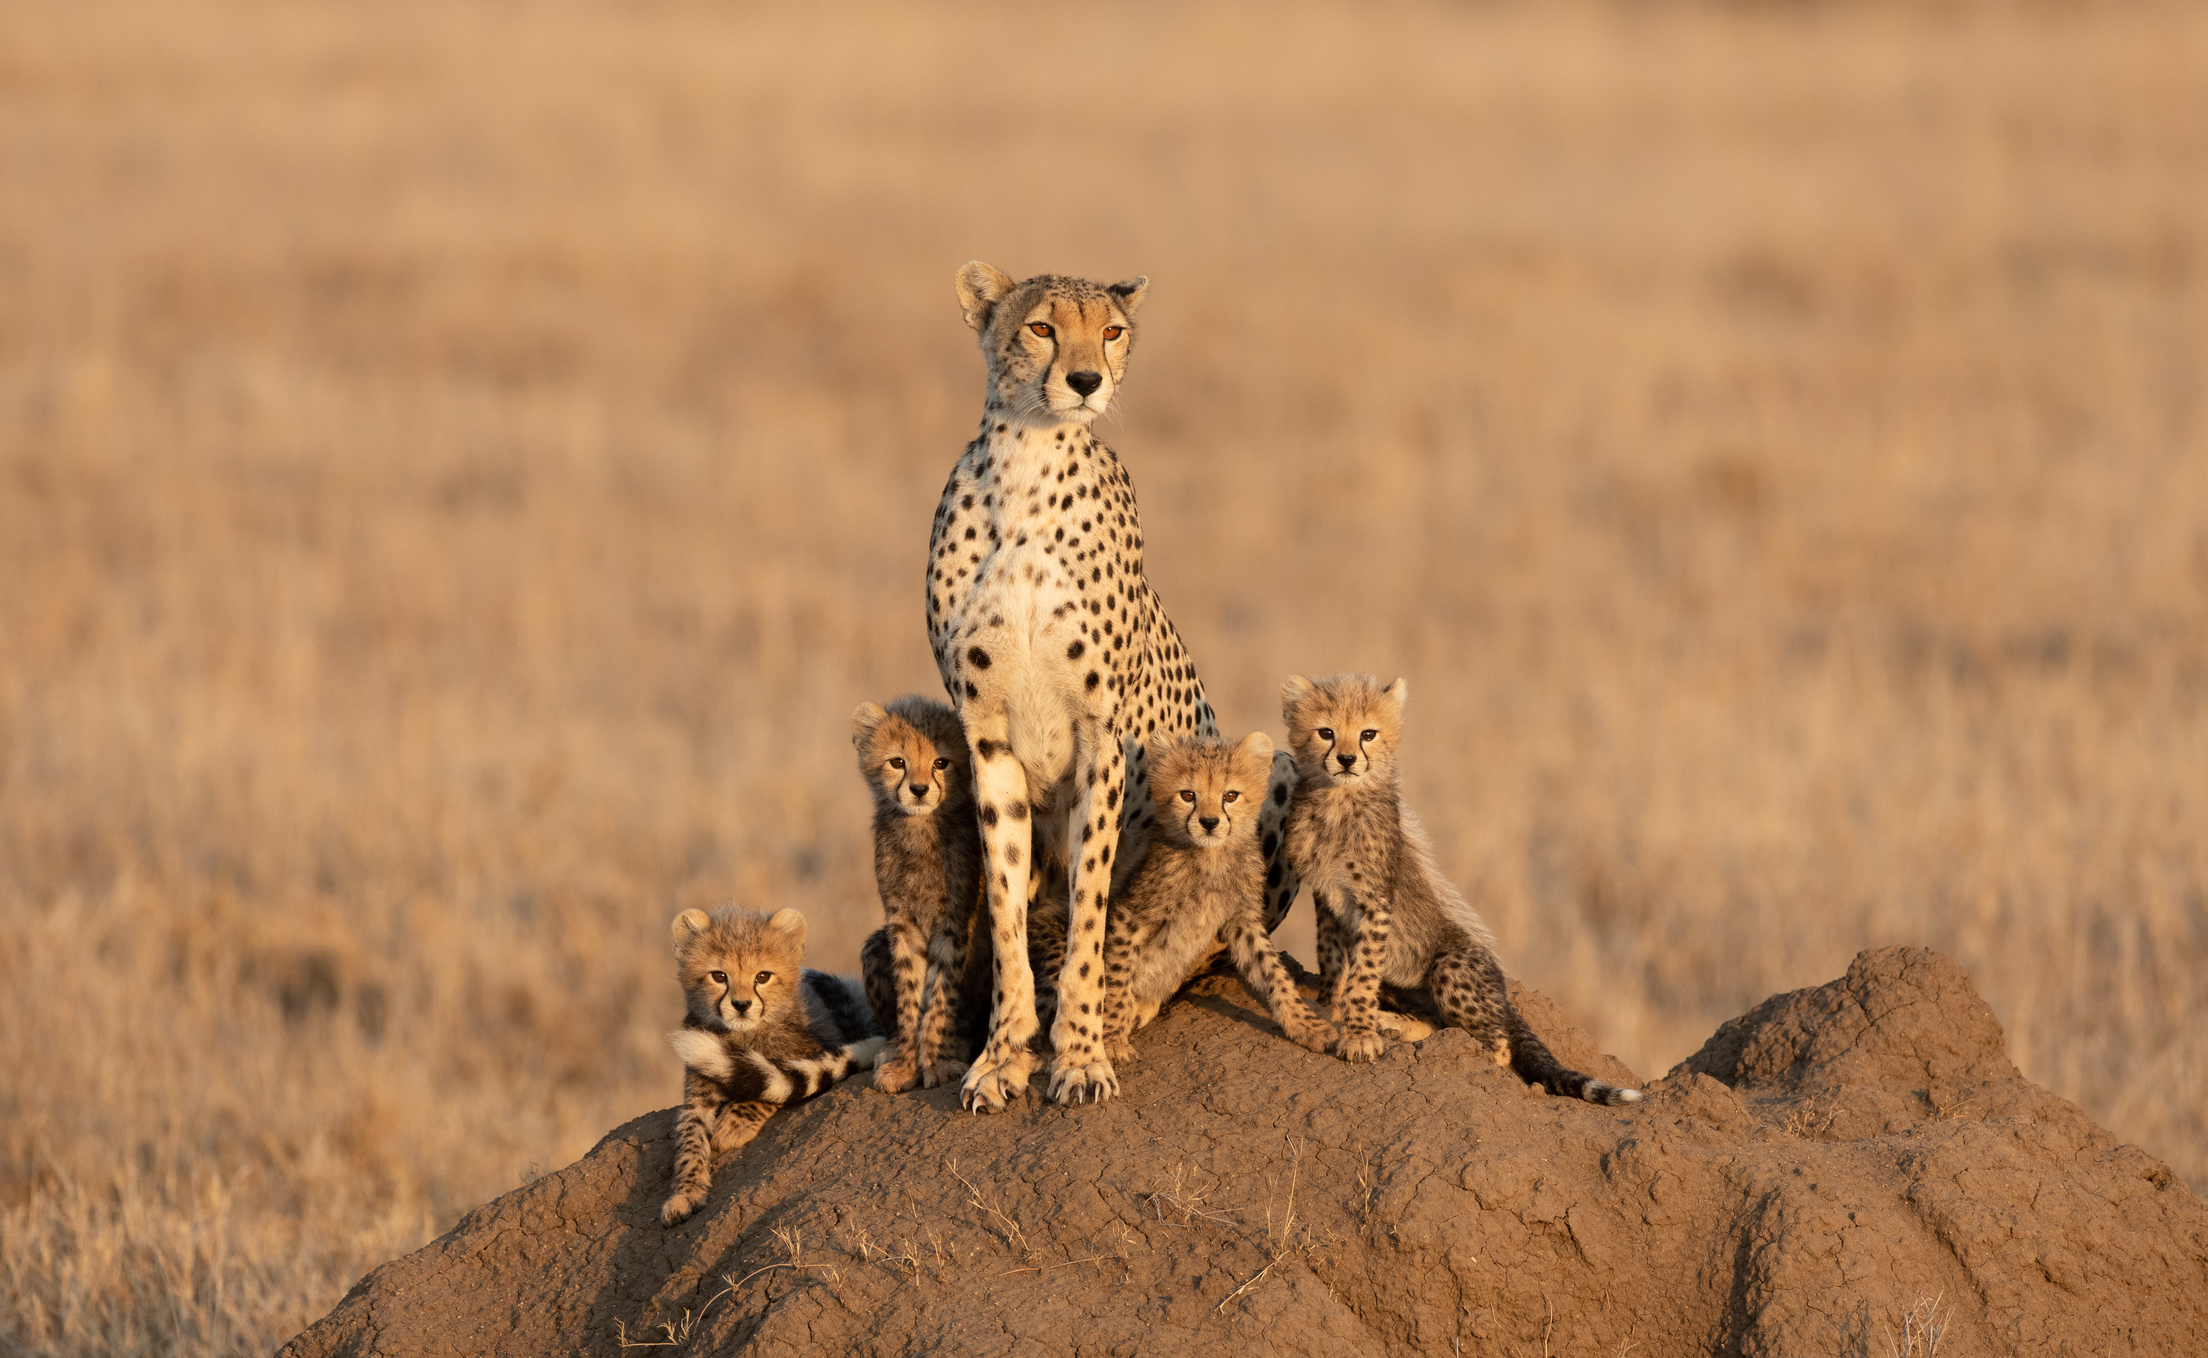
(1385, 912)
(928, 986)
(762, 1030)
(1202, 882)
(1058, 655)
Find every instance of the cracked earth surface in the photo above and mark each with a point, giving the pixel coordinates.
(1825, 1163)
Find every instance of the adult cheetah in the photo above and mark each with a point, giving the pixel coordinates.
(1059, 657)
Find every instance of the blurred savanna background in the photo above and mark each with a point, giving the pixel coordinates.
(460, 465)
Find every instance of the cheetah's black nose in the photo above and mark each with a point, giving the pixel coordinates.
(919, 791)
(1210, 823)
(1084, 383)
(1346, 760)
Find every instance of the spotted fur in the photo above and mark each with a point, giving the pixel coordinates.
(761, 1031)
(925, 979)
(1059, 657)
(1385, 912)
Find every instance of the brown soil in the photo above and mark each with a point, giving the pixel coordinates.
(1827, 1174)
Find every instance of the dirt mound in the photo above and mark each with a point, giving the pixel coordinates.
(1837, 1166)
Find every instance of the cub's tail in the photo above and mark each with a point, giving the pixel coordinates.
(746, 1076)
(1533, 1062)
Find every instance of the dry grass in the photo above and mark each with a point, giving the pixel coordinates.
(460, 466)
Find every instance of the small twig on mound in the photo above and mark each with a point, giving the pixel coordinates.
(1069, 1263)
(1013, 1235)
(795, 1244)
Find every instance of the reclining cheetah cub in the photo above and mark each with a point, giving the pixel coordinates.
(1203, 882)
(1380, 900)
(926, 979)
(762, 1031)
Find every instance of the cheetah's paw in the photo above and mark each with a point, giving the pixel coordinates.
(1362, 1044)
(993, 1080)
(1318, 1036)
(1073, 1081)
(940, 1073)
(895, 1074)
(679, 1206)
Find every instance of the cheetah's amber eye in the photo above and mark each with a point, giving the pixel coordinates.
(898, 762)
(719, 977)
(1187, 796)
(1112, 332)
(1368, 734)
(942, 763)
(1039, 328)
(762, 978)
(1231, 797)
(1326, 733)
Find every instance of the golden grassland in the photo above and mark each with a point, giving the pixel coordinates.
(460, 466)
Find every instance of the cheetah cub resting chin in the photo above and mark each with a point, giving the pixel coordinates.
(762, 1031)
(927, 968)
(1385, 913)
(1202, 883)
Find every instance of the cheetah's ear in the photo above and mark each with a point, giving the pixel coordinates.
(1257, 745)
(788, 921)
(1399, 693)
(864, 721)
(980, 288)
(688, 925)
(1292, 694)
(1130, 293)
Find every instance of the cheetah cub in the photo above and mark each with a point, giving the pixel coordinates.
(762, 1031)
(927, 968)
(1202, 883)
(1385, 913)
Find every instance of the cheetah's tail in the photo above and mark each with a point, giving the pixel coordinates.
(1533, 1062)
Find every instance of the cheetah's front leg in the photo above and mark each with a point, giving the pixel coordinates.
(1081, 1072)
(1357, 1001)
(899, 1065)
(1272, 823)
(939, 1000)
(1000, 787)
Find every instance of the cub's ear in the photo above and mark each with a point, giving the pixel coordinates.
(790, 923)
(1258, 746)
(688, 925)
(1292, 693)
(864, 722)
(1400, 693)
(980, 288)
(1130, 293)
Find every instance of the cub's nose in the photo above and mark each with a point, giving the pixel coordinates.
(1210, 823)
(1346, 760)
(742, 1007)
(919, 791)
(1085, 383)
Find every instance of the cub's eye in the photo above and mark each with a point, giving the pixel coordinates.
(1187, 796)
(1112, 332)
(719, 977)
(1231, 797)
(762, 978)
(1039, 328)
(1368, 735)
(942, 763)
(898, 762)
(1326, 733)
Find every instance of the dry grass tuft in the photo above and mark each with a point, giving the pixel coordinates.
(460, 466)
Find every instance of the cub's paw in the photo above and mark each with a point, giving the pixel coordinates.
(1119, 1051)
(1076, 1081)
(940, 1073)
(896, 1074)
(1317, 1036)
(679, 1205)
(1362, 1044)
(1404, 1028)
(994, 1080)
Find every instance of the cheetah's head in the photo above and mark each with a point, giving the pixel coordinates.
(1343, 729)
(1208, 791)
(1056, 347)
(739, 969)
(912, 754)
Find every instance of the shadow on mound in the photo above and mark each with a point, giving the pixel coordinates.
(1835, 1165)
